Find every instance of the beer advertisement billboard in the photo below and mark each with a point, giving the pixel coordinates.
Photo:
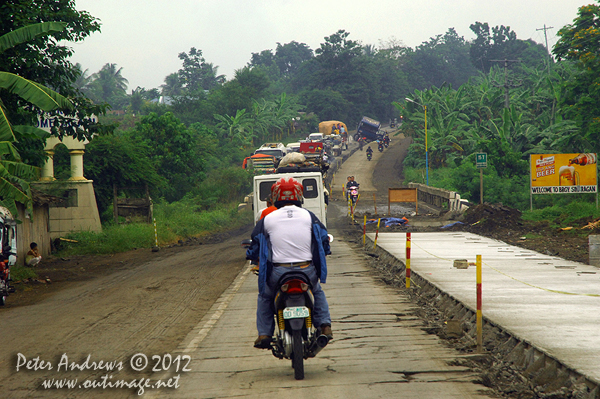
(563, 173)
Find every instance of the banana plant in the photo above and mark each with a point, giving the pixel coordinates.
(13, 172)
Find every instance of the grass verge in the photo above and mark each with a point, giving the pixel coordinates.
(18, 273)
(174, 222)
(566, 215)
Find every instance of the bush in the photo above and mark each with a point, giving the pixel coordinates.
(179, 220)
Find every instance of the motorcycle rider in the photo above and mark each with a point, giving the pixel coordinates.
(369, 152)
(287, 240)
(350, 183)
(386, 140)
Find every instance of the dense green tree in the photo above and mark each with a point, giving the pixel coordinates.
(117, 160)
(108, 85)
(443, 59)
(289, 57)
(580, 101)
(172, 86)
(196, 74)
(45, 60)
(501, 44)
(328, 104)
(174, 150)
(249, 84)
(13, 172)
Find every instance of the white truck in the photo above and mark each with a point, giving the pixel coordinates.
(314, 192)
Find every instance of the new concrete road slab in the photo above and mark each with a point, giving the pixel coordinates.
(546, 301)
(379, 348)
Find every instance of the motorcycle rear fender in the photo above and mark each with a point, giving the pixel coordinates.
(296, 324)
(283, 300)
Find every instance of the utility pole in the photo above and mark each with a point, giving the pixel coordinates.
(546, 37)
(507, 85)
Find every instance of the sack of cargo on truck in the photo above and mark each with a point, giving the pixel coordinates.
(298, 168)
(292, 158)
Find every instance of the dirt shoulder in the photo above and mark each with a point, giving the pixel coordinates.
(56, 273)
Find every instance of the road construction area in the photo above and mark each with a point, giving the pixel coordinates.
(180, 323)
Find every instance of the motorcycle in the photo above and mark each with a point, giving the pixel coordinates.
(386, 141)
(369, 155)
(295, 338)
(380, 146)
(353, 194)
(5, 287)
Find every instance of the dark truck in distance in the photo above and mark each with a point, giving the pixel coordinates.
(368, 130)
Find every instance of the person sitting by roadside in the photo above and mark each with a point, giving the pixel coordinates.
(33, 257)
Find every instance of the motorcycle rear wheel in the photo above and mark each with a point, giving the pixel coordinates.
(298, 355)
(3, 290)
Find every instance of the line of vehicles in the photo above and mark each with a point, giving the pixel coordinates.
(295, 337)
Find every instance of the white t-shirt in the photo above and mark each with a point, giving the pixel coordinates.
(289, 230)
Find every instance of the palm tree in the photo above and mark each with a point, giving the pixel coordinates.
(13, 172)
(172, 86)
(83, 80)
(108, 84)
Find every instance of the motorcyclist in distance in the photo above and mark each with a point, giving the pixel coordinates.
(350, 183)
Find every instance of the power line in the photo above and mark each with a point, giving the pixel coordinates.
(546, 37)
(507, 85)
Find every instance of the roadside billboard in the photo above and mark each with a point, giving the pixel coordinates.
(563, 173)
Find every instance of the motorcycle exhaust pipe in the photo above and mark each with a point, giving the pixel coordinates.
(318, 345)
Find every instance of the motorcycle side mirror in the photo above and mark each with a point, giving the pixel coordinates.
(330, 237)
(246, 243)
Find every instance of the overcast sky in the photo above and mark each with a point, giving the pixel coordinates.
(144, 37)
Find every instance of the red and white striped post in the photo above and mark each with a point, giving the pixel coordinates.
(377, 233)
(365, 231)
(479, 314)
(408, 260)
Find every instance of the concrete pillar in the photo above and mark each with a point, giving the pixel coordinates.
(594, 249)
(48, 168)
(76, 165)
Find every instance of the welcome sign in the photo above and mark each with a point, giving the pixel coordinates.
(563, 173)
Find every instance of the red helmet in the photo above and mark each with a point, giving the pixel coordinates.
(288, 190)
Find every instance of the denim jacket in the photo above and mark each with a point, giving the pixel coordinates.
(260, 250)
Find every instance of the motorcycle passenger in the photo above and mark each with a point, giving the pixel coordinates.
(286, 240)
(350, 183)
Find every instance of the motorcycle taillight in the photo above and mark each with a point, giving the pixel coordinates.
(294, 287)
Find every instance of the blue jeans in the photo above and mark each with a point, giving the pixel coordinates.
(265, 317)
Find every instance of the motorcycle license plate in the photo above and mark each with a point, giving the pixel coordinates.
(298, 312)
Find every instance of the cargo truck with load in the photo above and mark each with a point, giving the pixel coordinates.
(368, 130)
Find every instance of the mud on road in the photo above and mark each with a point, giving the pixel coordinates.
(112, 307)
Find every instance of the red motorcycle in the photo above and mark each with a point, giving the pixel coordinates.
(5, 287)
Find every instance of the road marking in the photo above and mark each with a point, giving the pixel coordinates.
(197, 335)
